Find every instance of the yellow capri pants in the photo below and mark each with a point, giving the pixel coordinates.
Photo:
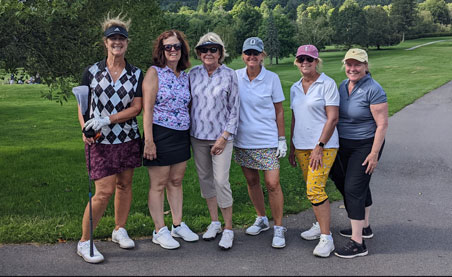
(316, 180)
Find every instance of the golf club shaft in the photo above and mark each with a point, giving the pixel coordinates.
(91, 243)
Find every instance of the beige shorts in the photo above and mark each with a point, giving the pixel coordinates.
(213, 171)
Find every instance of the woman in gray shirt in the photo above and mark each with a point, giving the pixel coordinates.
(363, 121)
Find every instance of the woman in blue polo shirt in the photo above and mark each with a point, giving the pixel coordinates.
(314, 101)
(260, 139)
(363, 121)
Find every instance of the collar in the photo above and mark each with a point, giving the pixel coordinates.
(103, 64)
(259, 77)
(360, 82)
(321, 79)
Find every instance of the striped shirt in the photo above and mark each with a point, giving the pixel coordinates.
(215, 102)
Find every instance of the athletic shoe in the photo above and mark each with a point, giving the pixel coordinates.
(313, 233)
(120, 236)
(226, 239)
(351, 250)
(278, 237)
(324, 247)
(164, 238)
(260, 225)
(83, 251)
(212, 230)
(367, 233)
(184, 232)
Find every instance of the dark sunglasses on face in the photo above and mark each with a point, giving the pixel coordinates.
(176, 46)
(211, 49)
(309, 59)
(117, 37)
(251, 52)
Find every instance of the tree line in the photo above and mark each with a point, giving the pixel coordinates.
(59, 38)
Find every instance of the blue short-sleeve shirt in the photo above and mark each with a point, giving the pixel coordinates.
(355, 118)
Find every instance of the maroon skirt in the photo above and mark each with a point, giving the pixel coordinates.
(109, 159)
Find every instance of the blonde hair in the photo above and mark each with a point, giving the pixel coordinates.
(214, 38)
(118, 20)
(318, 67)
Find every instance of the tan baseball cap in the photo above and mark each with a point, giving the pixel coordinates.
(356, 54)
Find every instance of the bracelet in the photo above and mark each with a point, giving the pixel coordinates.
(281, 138)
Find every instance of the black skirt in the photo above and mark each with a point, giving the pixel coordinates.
(173, 146)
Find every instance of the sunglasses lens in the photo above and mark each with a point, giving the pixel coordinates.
(177, 47)
(203, 50)
(167, 47)
(213, 50)
(252, 52)
(305, 58)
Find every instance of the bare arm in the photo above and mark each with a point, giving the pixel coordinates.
(380, 115)
(332, 114)
(150, 89)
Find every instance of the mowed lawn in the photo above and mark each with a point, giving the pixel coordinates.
(42, 165)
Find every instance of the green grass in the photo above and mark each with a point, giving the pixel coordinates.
(42, 166)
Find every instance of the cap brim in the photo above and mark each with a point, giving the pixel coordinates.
(252, 48)
(306, 54)
(207, 44)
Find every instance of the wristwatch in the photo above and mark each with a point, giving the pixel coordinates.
(321, 144)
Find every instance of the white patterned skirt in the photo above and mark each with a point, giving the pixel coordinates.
(261, 159)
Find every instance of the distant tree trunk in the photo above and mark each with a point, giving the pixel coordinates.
(271, 59)
(276, 60)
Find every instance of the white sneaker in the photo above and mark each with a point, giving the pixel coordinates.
(324, 247)
(184, 232)
(120, 236)
(164, 238)
(212, 230)
(278, 237)
(260, 225)
(83, 251)
(226, 239)
(313, 233)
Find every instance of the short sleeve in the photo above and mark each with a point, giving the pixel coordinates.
(139, 90)
(86, 77)
(277, 91)
(332, 97)
(377, 95)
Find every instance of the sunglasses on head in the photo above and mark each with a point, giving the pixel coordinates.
(205, 49)
(251, 52)
(301, 59)
(176, 46)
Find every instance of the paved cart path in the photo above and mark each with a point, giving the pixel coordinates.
(411, 219)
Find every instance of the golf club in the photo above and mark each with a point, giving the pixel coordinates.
(83, 99)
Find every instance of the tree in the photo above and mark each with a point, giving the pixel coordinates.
(403, 14)
(349, 25)
(438, 9)
(313, 26)
(247, 20)
(271, 38)
(379, 28)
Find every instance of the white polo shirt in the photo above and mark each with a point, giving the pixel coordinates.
(309, 112)
(257, 121)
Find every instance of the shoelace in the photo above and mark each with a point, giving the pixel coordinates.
(279, 232)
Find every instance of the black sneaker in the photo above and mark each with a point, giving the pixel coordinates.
(367, 233)
(351, 250)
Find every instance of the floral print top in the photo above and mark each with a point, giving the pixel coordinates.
(171, 104)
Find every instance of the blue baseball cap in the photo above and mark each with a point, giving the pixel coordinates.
(253, 43)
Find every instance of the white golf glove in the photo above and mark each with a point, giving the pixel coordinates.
(97, 123)
(282, 148)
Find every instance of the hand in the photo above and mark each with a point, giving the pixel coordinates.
(86, 140)
(97, 123)
(282, 149)
(316, 158)
(218, 147)
(292, 159)
(371, 161)
(150, 151)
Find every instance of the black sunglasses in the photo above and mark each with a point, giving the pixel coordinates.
(251, 52)
(211, 49)
(176, 46)
(301, 59)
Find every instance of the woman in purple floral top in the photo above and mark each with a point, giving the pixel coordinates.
(166, 121)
